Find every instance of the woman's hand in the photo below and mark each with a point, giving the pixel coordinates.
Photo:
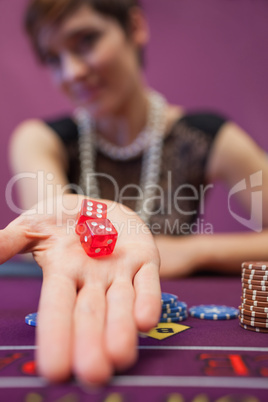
(90, 308)
(181, 255)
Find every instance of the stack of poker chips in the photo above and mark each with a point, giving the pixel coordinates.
(254, 300)
(173, 310)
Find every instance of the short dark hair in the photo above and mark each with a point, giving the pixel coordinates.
(43, 12)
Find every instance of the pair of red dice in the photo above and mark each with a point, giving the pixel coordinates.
(97, 234)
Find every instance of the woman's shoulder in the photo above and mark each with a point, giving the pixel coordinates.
(207, 121)
(30, 140)
(32, 132)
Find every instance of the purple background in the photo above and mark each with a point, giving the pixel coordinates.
(209, 53)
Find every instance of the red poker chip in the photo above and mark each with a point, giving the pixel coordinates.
(254, 329)
(253, 302)
(256, 273)
(253, 322)
(255, 287)
(252, 313)
(256, 309)
(257, 265)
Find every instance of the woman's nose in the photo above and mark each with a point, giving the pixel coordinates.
(74, 68)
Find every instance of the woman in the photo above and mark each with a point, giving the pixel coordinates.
(124, 143)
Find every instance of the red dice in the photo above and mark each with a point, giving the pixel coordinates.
(89, 210)
(99, 237)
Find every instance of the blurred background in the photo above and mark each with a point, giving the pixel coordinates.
(203, 54)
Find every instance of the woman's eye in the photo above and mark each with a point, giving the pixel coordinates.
(88, 40)
(51, 60)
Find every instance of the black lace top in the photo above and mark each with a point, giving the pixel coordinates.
(179, 196)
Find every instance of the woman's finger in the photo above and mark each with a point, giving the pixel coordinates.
(148, 297)
(91, 363)
(17, 238)
(54, 331)
(121, 331)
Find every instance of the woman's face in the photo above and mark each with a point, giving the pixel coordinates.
(92, 60)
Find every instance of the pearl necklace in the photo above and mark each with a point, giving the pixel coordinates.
(149, 141)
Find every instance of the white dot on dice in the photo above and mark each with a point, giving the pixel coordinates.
(109, 241)
(97, 250)
(94, 224)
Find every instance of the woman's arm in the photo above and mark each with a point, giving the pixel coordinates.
(223, 253)
(87, 304)
(37, 151)
(234, 157)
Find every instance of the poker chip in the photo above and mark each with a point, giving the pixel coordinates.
(247, 316)
(173, 315)
(255, 292)
(252, 313)
(178, 306)
(213, 312)
(31, 319)
(254, 308)
(256, 265)
(254, 287)
(253, 322)
(256, 303)
(168, 298)
(255, 296)
(254, 282)
(255, 329)
(252, 298)
(254, 272)
(255, 277)
(174, 319)
(173, 310)
(251, 307)
(167, 306)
